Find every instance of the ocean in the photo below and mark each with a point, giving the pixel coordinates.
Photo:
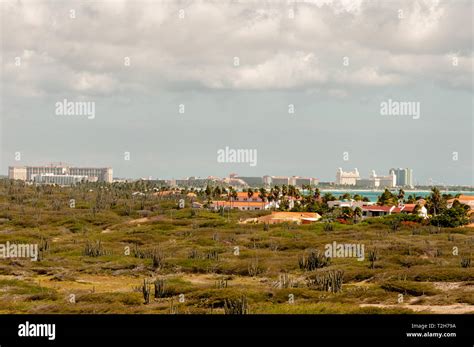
(372, 195)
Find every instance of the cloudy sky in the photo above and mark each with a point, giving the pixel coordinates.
(235, 67)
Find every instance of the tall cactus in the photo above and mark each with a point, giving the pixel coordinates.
(329, 281)
(236, 306)
(313, 261)
(160, 290)
(146, 292)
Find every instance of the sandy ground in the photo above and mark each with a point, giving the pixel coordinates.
(439, 309)
(137, 221)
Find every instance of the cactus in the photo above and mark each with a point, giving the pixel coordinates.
(253, 268)
(94, 249)
(138, 253)
(285, 281)
(194, 254)
(466, 262)
(329, 281)
(158, 259)
(221, 283)
(212, 255)
(313, 261)
(395, 224)
(43, 247)
(328, 226)
(172, 308)
(373, 257)
(160, 290)
(236, 306)
(43, 244)
(146, 292)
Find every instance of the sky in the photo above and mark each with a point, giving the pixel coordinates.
(299, 83)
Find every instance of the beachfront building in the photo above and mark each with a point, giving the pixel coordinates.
(388, 181)
(298, 181)
(404, 177)
(28, 173)
(271, 181)
(61, 180)
(347, 178)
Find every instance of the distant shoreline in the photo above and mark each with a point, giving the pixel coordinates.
(393, 189)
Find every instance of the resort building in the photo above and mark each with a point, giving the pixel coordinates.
(303, 181)
(404, 177)
(28, 173)
(347, 178)
(61, 180)
(389, 181)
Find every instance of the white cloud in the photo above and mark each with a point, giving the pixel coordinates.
(85, 54)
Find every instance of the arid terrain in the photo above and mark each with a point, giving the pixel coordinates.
(111, 253)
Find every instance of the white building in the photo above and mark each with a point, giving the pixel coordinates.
(17, 173)
(27, 173)
(62, 180)
(389, 181)
(349, 203)
(347, 178)
(404, 176)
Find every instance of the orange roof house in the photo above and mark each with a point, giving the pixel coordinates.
(240, 205)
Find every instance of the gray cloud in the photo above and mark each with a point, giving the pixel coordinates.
(296, 60)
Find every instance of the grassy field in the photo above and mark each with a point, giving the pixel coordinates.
(100, 255)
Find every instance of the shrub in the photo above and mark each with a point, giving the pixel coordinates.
(313, 261)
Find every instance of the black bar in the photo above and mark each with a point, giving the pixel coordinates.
(357, 329)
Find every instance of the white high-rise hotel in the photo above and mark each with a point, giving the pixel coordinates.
(52, 173)
(347, 178)
(396, 177)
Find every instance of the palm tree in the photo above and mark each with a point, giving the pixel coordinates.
(346, 196)
(401, 194)
(217, 191)
(262, 195)
(357, 213)
(317, 193)
(250, 193)
(234, 195)
(276, 193)
(328, 197)
(436, 201)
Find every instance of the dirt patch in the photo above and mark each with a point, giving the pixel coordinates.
(438, 309)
